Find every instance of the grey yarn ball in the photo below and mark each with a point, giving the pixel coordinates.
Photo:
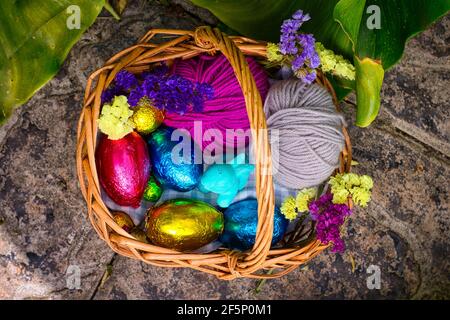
(306, 133)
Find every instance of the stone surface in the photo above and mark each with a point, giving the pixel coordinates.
(45, 238)
(416, 91)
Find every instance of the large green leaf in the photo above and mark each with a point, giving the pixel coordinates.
(262, 19)
(399, 20)
(34, 41)
(381, 46)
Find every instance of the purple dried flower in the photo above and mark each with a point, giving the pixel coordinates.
(172, 93)
(135, 96)
(160, 70)
(314, 61)
(329, 217)
(125, 80)
(298, 15)
(310, 77)
(300, 46)
(109, 94)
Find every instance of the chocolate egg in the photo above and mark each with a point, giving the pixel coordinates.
(123, 168)
(139, 235)
(146, 117)
(153, 190)
(241, 220)
(123, 220)
(176, 164)
(183, 224)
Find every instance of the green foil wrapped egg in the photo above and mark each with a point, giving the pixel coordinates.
(153, 190)
(183, 224)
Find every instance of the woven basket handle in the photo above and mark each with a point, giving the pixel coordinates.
(214, 39)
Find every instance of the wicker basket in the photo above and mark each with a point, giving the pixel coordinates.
(223, 263)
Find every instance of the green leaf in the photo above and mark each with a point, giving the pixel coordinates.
(399, 20)
(262, 19)
(119, 5)
(112, 10)
(378, 30)
(369, 78)
(34, 42)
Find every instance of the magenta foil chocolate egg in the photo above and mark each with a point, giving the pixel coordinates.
(123, 168)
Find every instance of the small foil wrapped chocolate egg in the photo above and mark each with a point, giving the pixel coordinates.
(139, 235)
(146, 117)
(123, 220)
(153, 190)
(176, 164)
(241, 221)
(183, 224)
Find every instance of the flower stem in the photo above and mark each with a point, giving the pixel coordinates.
(261, 282)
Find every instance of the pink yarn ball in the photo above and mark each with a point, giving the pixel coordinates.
(227, 109)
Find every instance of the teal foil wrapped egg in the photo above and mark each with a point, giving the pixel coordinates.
(241, 220)
(183, 224)
(176, 164)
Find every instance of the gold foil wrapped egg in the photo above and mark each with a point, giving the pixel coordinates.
(146, 117)
(183, 224)
(123, 220)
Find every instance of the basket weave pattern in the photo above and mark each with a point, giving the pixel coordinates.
(223, 263)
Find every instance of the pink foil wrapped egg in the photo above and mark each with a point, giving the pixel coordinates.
(123, 168)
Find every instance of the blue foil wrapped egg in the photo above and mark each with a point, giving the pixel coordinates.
(177, 163)
(241, 220)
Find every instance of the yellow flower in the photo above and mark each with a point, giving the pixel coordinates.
(360, 196)
(114, 119)
(335, 64)
(273, 53)
(288, 208)
(366, 182)
(303, 198)
(344, 185)
(350, 179)
(340, 195)
(292, 206)
(327, 61)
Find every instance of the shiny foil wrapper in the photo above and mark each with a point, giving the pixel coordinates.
(146, 117)
(153, 190)
(185, 172)
(183, 224)
(241, 221)
(123, 168)
(123, 220)
(139, 235)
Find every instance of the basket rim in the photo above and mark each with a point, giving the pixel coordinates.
(225, 264)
